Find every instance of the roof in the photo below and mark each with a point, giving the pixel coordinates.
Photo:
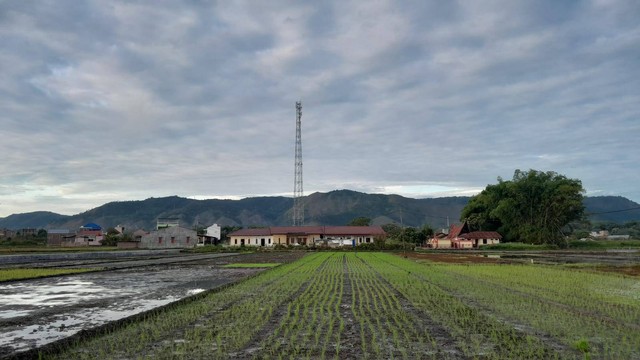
(482, 235)
(297, 230)
(353, 230)
(91, 226)
(310, 230)
(59, 231)
(251, 232)
(455, 230)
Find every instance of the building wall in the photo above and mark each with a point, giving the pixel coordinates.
(253, 240)
(440, 243)
(169, 238)
(56, 237)
(462, 244)
(128, 244)
(279, 239)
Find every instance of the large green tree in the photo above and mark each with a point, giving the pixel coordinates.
(533, 207)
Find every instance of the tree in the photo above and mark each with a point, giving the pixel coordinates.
(533, 207)
(360, 221)
(226, 230)
(392, 230)
(42, 234)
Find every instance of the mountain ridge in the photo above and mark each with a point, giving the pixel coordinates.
(336, 207)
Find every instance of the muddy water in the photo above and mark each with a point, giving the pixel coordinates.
(37, 312)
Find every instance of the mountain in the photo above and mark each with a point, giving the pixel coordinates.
(36, 220)
(332, 208)
(615, 209)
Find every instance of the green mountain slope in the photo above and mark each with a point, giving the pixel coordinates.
(332, 208)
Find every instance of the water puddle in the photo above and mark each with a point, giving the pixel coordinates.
(37, 312)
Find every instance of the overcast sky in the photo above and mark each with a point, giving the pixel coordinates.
(125, 100)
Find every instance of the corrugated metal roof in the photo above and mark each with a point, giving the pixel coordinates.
(92, 226)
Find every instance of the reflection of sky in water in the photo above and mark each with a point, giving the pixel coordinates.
(39, 294)
(39, 335)
(108, 296)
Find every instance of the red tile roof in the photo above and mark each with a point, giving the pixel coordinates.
(455, 230)
(252, 232)
(310, 230)
(481, 235)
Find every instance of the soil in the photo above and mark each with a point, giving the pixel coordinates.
(622, 262)
(40, 311)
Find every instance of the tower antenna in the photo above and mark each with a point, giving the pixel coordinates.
(298, 205)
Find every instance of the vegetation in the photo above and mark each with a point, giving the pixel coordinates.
(408, 234)
(25, 240)
(21, 274)
(378, 305)
(248, 265)
(533, 207)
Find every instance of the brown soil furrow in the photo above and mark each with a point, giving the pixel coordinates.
(447, 347)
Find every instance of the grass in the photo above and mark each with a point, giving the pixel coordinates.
(248, 265)
(26, 273)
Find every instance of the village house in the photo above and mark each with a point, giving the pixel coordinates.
(88, 235)
(55, 237)
(7, 233)
(306, 235)
(210, 236)
(169, 238)
(460, 237)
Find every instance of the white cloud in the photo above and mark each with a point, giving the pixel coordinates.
(119, 100)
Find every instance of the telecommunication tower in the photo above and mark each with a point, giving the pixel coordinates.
(298, 205)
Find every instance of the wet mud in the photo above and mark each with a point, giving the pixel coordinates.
(622, 262)
(37, 312)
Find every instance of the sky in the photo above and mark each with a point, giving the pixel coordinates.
(125, 100)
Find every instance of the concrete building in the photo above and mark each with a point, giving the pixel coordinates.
(88, 235)
(460, 237)
(7, 233)
(306, 235)
(55, 237)
(211, 236)
(168, 238)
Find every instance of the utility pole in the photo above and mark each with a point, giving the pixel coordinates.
(298, 205)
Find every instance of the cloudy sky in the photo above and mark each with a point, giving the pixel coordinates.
(126, 100)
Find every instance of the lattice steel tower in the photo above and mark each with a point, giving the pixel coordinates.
(298, 205)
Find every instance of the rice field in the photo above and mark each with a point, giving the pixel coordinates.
(22, 273)
(382, 306)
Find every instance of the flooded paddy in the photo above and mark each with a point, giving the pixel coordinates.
(620, 261)
(40, 311)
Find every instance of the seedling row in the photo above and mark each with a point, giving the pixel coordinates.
(381, 306)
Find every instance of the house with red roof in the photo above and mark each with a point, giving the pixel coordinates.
(306, 235)
(461, 237)
(90, 234)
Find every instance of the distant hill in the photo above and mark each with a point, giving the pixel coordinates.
(615, 209)
(37, 220)
(332, 208)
